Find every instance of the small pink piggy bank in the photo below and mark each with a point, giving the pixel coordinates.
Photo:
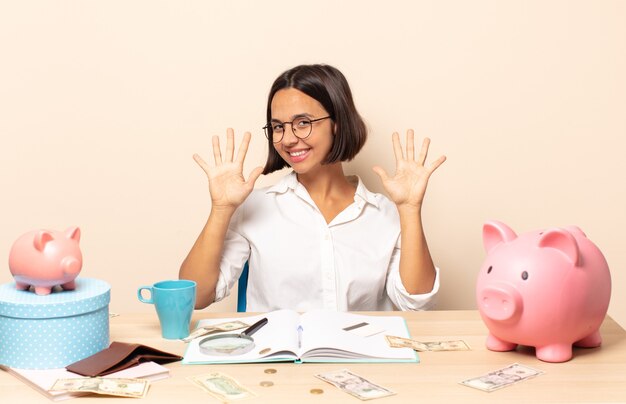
(546, 289)
(46, 258)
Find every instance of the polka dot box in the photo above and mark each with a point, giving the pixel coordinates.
(52, 331)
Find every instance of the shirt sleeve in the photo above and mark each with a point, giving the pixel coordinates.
(402, 299)
(234, 256)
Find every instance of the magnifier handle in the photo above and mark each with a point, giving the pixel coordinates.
(255, 327)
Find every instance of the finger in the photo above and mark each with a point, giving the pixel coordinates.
(410, 145)
(421, 159)
(435, 164)
(254, 175)
(381, 173)
(203, 165)
(243, 148)
(230, 144)
(217, 153)
(397, 147)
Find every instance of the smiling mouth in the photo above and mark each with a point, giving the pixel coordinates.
(298, 156)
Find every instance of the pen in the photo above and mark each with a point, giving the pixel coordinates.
(300, 329)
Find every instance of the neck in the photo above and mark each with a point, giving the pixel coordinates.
(326, 181)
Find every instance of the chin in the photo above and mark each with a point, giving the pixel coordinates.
(299, 169)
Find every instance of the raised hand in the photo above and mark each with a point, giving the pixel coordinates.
(408, 186)
(227, 184)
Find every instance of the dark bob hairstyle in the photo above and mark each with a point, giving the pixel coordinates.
(329, 87)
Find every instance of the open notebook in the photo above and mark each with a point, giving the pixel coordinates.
(314, 336)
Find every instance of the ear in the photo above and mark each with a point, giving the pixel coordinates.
(42, 237)
(576, 230)
(495, 232)
(73, 233)
(562, 241)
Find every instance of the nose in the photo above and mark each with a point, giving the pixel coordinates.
(289, 138)
(71, 265)
(500, 302)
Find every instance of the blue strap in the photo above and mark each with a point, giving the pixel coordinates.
(242, 288)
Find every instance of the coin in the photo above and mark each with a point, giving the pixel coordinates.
(317, 391)
(270, 371)
(266, 384)
(264, 351)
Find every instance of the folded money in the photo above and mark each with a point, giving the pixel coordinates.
(354, 385)
(222, 386)
(228, 326)
(399, 342)
(105, 386)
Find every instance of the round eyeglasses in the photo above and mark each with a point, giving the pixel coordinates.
(301, 128)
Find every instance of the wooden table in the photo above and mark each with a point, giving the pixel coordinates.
(593, 375)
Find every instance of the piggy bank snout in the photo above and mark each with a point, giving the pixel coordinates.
(500, 302)
(71, 266)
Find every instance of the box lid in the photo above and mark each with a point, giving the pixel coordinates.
(90, 295)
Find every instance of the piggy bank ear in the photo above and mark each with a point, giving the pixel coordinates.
(562, 241)
(73, 233)
(42, 238)
(495, 232)
(576, 230)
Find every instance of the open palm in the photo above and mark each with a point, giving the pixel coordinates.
(408, 185)
(227, 184)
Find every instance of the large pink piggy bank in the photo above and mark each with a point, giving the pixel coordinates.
(46, 258)
(546, 289)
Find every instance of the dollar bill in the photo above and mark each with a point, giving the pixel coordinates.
(222, 386)
(457, 345)
(105, 386)
(355, 385)
(399, 342)
(208, 329)
(230, 326)
(500, 378)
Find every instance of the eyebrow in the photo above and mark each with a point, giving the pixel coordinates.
(293, 117)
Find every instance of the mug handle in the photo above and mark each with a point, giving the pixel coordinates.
(141, 298)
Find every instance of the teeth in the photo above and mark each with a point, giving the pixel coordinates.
(298, 153)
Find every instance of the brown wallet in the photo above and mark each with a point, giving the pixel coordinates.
(119, 356)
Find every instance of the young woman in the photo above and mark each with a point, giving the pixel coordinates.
(316, 239)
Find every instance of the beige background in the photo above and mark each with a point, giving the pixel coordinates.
(102, 104)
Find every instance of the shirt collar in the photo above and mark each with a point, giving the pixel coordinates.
(290, 181)
(363, 193)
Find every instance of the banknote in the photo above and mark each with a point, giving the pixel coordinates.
(106, 386)
(222, 386)
(354, 384)
(399, 342)
(207, 329)
(500, 378)
(456, 345)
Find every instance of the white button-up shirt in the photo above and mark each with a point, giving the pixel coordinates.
(298, 261)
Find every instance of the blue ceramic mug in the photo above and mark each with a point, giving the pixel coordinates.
(174, 302)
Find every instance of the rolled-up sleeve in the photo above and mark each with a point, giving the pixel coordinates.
(402, 299)
(234, 256)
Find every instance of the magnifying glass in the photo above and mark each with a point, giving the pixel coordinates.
(231, 344)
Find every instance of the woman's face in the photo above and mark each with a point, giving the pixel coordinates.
(303, 155)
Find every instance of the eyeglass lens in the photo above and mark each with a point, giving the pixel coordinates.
(301, 128)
